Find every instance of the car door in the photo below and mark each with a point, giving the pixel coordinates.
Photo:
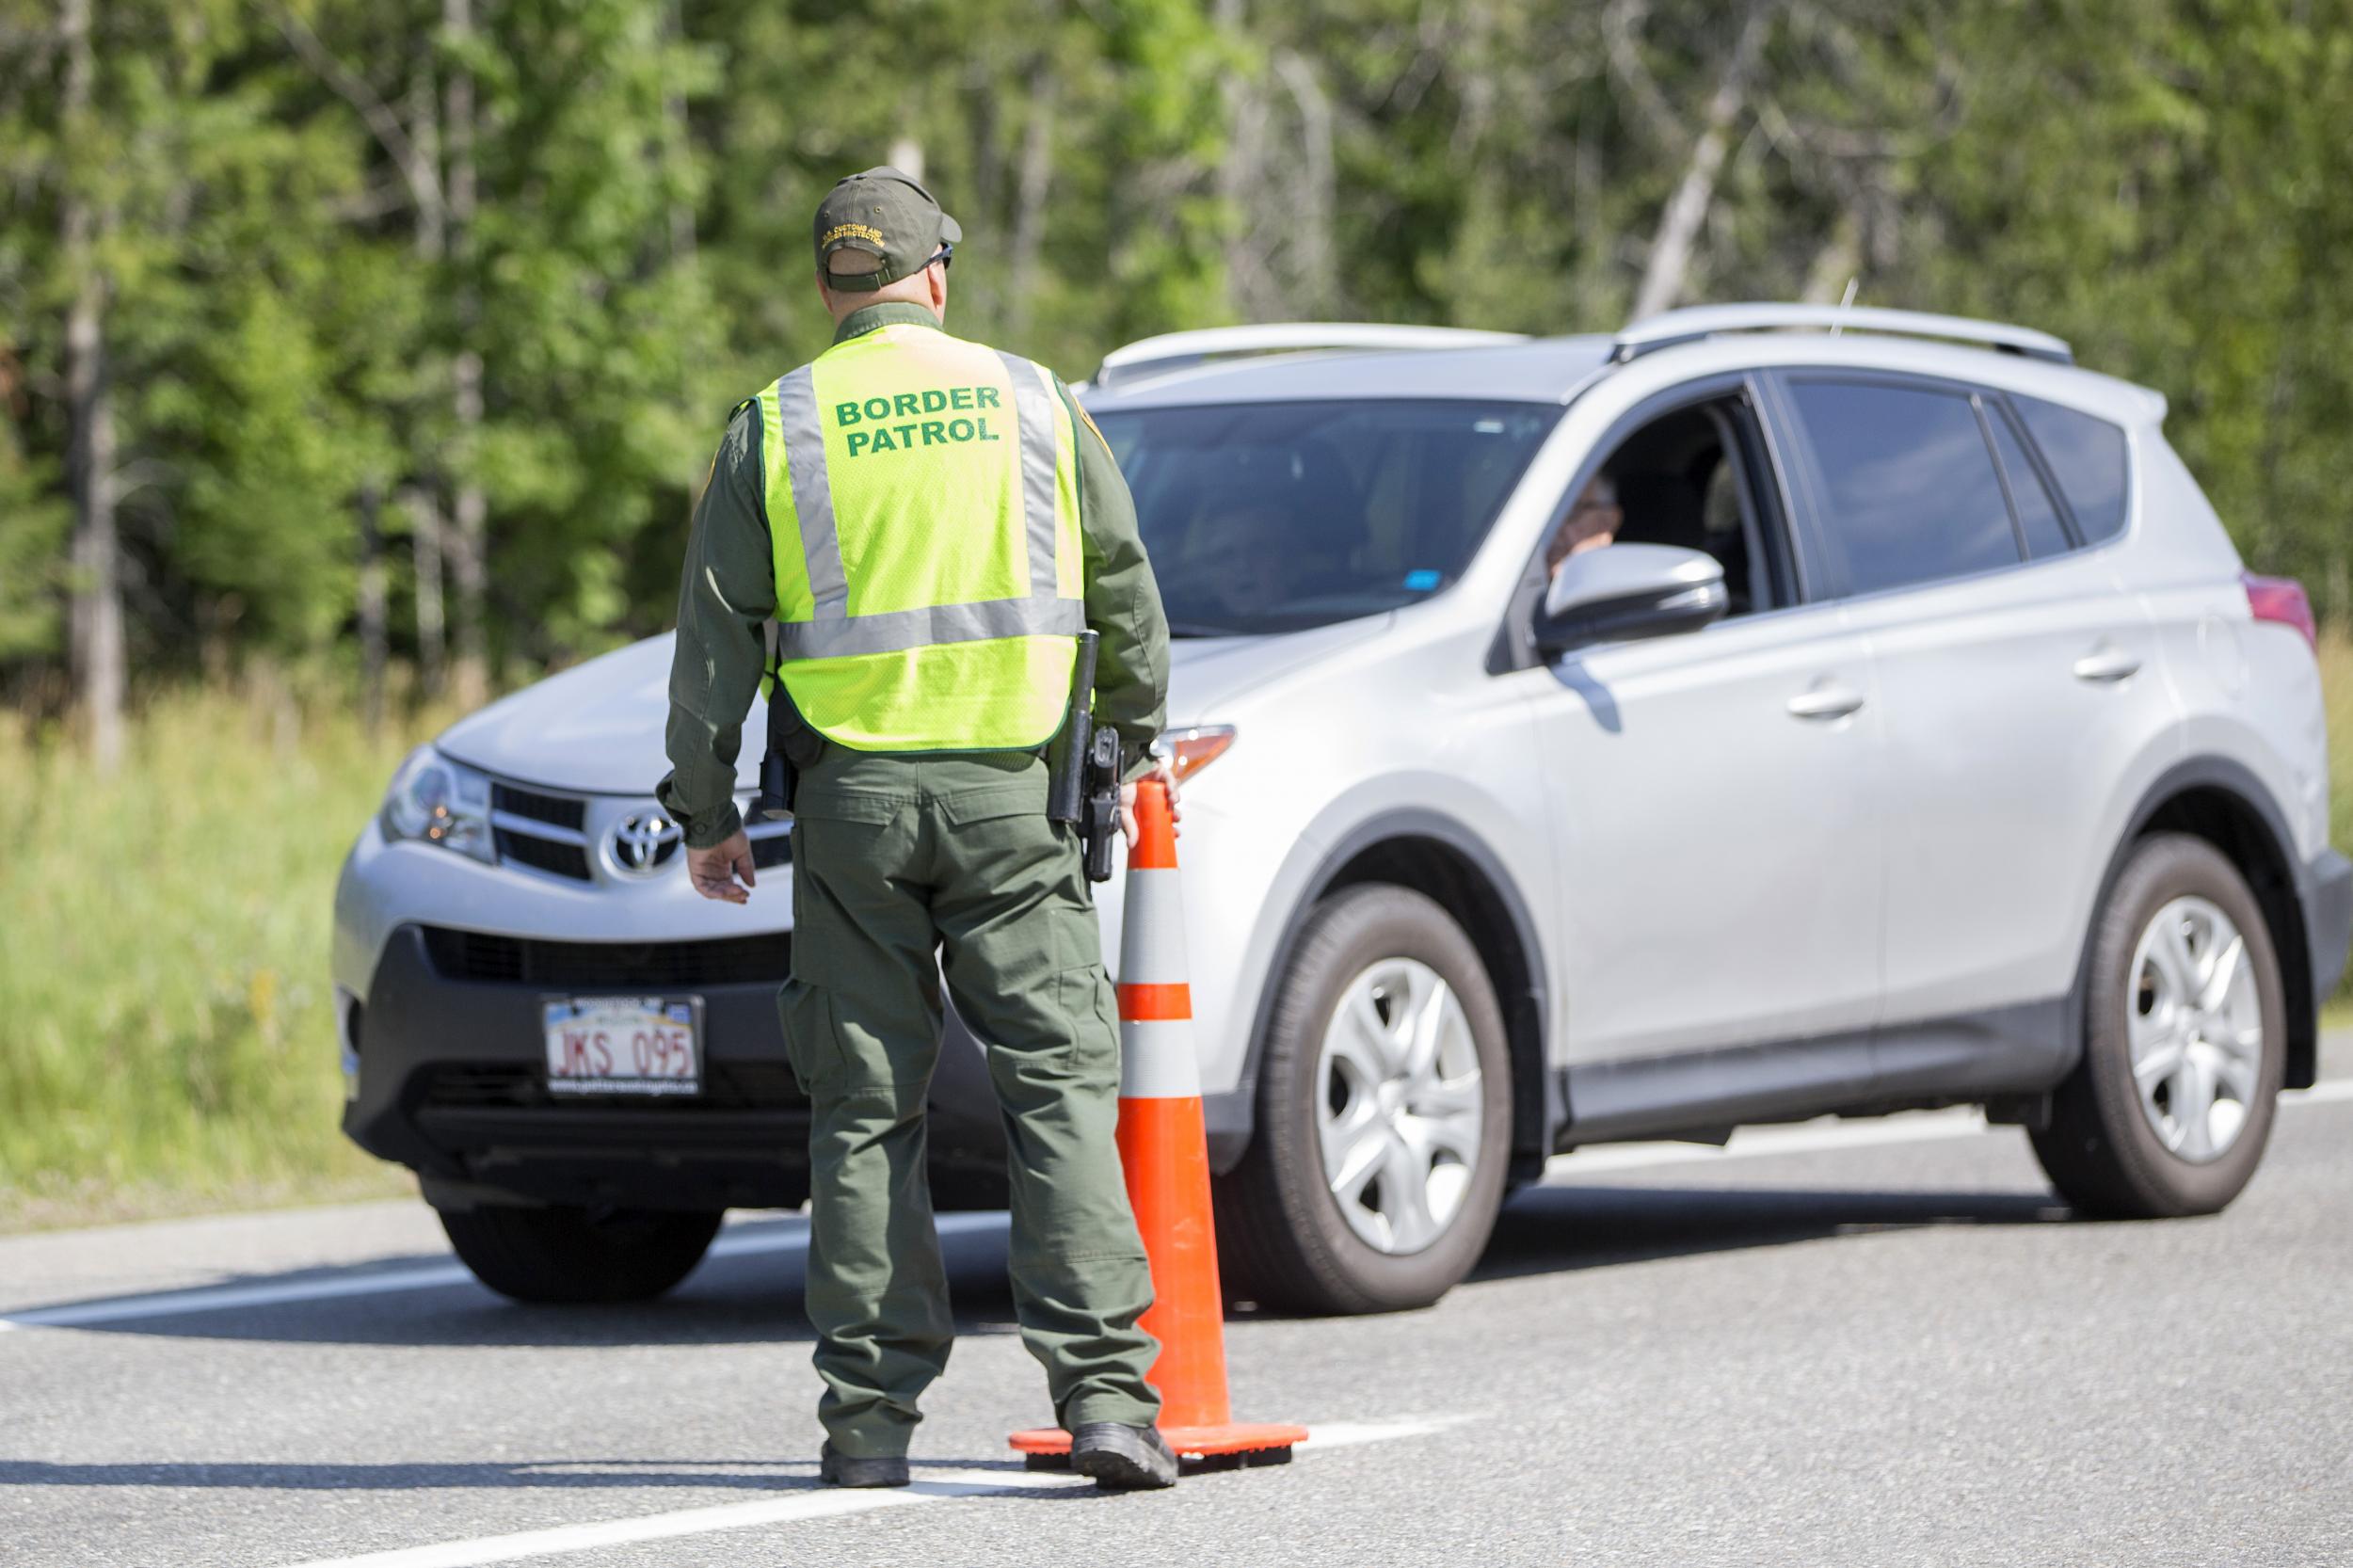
(2016, 683)
(1715, 816)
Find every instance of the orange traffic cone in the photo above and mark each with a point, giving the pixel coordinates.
(1167, 1153)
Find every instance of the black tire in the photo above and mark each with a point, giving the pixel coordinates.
(562, 1256)
(2100, 1150)
(1282, 1238)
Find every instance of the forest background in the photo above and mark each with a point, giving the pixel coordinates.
(359, 358)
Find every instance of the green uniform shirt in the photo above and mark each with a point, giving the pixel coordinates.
(728, 591)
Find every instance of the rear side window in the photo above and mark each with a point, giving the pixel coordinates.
(1911, 490)
(2045, 534)
(2088, 456)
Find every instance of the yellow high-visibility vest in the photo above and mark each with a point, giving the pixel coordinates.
(922, 500)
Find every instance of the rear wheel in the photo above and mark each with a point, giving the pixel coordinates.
(2184, 1042)
(570, 1255)
(1384, 1119)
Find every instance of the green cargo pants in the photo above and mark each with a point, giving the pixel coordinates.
(905, 867)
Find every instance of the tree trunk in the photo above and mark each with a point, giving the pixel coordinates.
(680, 134)
(373, 633)
(96, 618)
(471, 509)
(1315, 273)
(1029, 218)
(1679, 228)
(425, 539)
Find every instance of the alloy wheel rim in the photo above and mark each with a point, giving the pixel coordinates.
(2194, 1022)
(1400, 1112)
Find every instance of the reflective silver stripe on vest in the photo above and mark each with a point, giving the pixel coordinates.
(899, 630)
(1034, 415)
(812, 494)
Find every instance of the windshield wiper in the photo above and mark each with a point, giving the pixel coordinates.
(1202, 628)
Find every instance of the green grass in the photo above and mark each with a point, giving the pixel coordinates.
(166, 1033)
(167, 1044)
(2336, 682)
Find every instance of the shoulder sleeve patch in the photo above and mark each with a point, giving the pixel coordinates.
(1081, 409)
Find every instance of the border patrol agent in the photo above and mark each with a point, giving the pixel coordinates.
(929, 525)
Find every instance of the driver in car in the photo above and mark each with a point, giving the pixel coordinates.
(1244, 553)
(1592, 523)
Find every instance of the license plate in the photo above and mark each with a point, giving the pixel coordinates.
(623, 1045)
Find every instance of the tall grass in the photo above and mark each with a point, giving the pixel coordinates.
(2336, 683)
(166, 1041)
(166, 1031)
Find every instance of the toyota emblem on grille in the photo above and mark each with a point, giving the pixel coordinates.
(643, 843)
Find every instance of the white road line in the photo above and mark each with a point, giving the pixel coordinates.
(933, 1486)
(432, 1276)
(1749, 1144)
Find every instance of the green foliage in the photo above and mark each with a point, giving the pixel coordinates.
(294, 283)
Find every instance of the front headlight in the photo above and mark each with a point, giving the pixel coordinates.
(1188, 751)
(437, 801)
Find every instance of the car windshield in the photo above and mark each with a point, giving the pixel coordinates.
(1275, 517)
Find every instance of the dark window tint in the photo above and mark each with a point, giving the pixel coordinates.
(2045, 534)
(2088, 457)
(1912, 492)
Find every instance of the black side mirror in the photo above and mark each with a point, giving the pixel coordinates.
(1621, 592)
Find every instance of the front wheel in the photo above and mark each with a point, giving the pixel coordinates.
(2184, 1042)
(1383, 1117)
(569, 1255)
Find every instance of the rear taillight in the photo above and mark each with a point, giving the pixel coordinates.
(2281, 599)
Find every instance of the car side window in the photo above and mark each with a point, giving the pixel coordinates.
(1685, 478)
(2088, 456)
(1910, 491)
(2046, 535)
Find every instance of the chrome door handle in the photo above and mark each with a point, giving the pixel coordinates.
(2104, 666)
(1826, 702)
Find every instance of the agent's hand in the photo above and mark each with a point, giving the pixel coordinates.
(713, 871)
(1167, 775)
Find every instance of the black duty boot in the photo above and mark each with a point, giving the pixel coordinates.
(839, 1469)
(1122, 1458)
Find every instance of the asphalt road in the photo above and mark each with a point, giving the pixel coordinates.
(1867, 1343)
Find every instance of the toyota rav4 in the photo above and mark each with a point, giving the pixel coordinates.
(1920, 741)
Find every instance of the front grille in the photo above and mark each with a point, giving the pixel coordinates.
(529, 961)
(559, 850)
(562, 811)
(727, 1086)
(547, 855)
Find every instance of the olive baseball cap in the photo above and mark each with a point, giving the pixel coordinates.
(885, 213)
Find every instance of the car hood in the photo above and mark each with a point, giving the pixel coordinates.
(596, 728)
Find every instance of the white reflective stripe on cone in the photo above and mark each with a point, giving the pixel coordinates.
(1152, 930)
(1156, 1061)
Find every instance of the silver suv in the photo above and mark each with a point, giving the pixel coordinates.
(1920, 741)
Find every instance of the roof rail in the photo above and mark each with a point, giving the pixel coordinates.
(1180, 350)
(1669, 327)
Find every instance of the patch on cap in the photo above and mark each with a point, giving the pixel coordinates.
(885, 213)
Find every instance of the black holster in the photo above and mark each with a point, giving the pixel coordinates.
(793, 748)
(1084, 767)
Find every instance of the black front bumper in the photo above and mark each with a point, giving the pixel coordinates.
(452, 1080)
